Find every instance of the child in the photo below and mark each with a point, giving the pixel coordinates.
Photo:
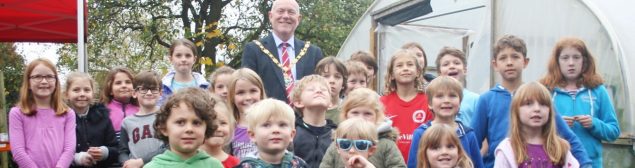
(117, 94)
(334, 71)
(96, 143)
(311, 97)
(404, 98)
(533, 140)
(421, 57)
(440, 147)
(451, 62)
(245, 89)
(492, 109)
(357, 76)
(364, 103)
(41, 126)
(138, 145)
(222, 136)
(356, 141)
(445, 96)
(183, 55)
(271, 129)
(579, 95)
(219, 80)
(184, 122)
(369, 61)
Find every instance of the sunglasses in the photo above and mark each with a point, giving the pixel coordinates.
(360, 144)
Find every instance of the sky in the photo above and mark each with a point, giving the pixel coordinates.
(33, 51)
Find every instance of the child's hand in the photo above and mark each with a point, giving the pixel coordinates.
(585, 120)
(358, 162)
(569, 120)
(96, 153)
(83, 159)
(133, 163)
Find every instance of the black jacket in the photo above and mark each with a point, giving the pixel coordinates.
(95, 130)
(255, 59)
(308, 145)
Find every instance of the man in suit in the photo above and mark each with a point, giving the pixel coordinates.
(280, 59)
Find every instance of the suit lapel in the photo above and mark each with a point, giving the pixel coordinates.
(299, 45)
(270, 44)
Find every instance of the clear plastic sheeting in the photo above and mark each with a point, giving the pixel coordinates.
(474, 25)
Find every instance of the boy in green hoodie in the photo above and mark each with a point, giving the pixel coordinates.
(184, 122)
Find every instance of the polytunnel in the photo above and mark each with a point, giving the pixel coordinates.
(474, 25)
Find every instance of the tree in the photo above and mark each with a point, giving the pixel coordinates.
(13, 67)
(136, 34)
(328, 23)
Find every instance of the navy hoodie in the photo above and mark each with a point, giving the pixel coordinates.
(468, 142)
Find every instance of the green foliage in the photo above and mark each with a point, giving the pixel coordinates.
(13, 66)
(328, 23)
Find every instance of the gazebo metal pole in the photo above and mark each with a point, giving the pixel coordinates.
(81, 53)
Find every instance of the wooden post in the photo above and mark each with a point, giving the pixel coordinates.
(3, 121)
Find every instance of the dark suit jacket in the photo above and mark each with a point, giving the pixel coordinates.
(270, 73)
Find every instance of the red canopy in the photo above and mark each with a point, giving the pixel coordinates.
(38, 21)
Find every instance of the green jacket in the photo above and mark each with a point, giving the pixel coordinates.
(170, 159)
(387, 154)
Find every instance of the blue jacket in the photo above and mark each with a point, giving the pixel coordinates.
(465, 134)
(468, 105)
(605, 124)
(491, 121)
(166, 83)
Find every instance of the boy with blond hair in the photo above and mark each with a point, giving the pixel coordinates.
(445, 96)
(270, 127)
(311, 97)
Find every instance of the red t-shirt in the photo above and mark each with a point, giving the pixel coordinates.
(406, 116)
(230, 162)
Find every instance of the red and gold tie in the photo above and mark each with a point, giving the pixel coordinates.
(286, 71)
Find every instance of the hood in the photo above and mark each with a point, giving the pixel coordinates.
(461, 129)
(558, 90)
(97, 112)
(499, 88)
(200, 79)
(386, 130)
(170, 158)
(300, 122)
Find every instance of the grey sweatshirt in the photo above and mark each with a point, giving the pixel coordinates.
(138, 138)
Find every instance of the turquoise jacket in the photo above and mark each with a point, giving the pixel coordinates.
(170, 159)
(468, 106)
(597, 103)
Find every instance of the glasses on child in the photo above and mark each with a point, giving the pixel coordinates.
(360, 144)
(145, 90)
(39, 78)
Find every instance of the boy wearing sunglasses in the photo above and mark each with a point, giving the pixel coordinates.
(355, 139)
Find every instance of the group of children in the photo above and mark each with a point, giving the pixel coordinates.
(333, 119)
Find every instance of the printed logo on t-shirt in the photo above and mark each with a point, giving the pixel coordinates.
(136, 136)
(419, 116)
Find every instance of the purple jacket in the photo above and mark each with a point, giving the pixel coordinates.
(42, 140)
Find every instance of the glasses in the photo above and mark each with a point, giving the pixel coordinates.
(39, 78)
(145, 90)
(360, 144)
